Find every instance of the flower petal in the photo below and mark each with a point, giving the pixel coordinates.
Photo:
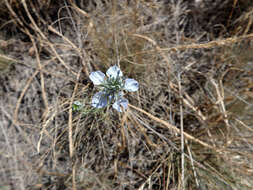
(99, 100)
(131, 85)
(120, 95)
(114, 72)
(97, 77)
(120, 104)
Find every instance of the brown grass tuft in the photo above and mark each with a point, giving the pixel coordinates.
(189, 126)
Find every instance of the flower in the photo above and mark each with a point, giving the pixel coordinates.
(112, 86)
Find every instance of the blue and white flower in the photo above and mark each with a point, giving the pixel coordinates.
(112, 86)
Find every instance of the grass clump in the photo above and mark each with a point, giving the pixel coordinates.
(188, 126)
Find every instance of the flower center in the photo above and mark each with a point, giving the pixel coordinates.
(113, 85)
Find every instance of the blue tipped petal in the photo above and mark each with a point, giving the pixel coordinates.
(99, 100)
(114, 72)
(131, 85)
(121, 104)
(97, 77)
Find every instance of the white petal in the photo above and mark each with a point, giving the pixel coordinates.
(97, 77)
(131, 85)
(114, 72)
(120, 104)
(99, 100)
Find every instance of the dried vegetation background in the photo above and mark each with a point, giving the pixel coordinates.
(189, 126)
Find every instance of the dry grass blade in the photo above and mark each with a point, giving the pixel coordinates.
(174, 128)
(171, 84)
(79, 10)
(193, 167)
(32, 20)
(220, 101)
(181, 132)
(6, 61)
(15, 115)
(44, 126)
(71, 146)
(211, 44)
(25, 88)
(86, 66)
(44, 96)
(189, 126)
(36, 28)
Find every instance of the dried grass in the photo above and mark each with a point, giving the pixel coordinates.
(188, 127)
